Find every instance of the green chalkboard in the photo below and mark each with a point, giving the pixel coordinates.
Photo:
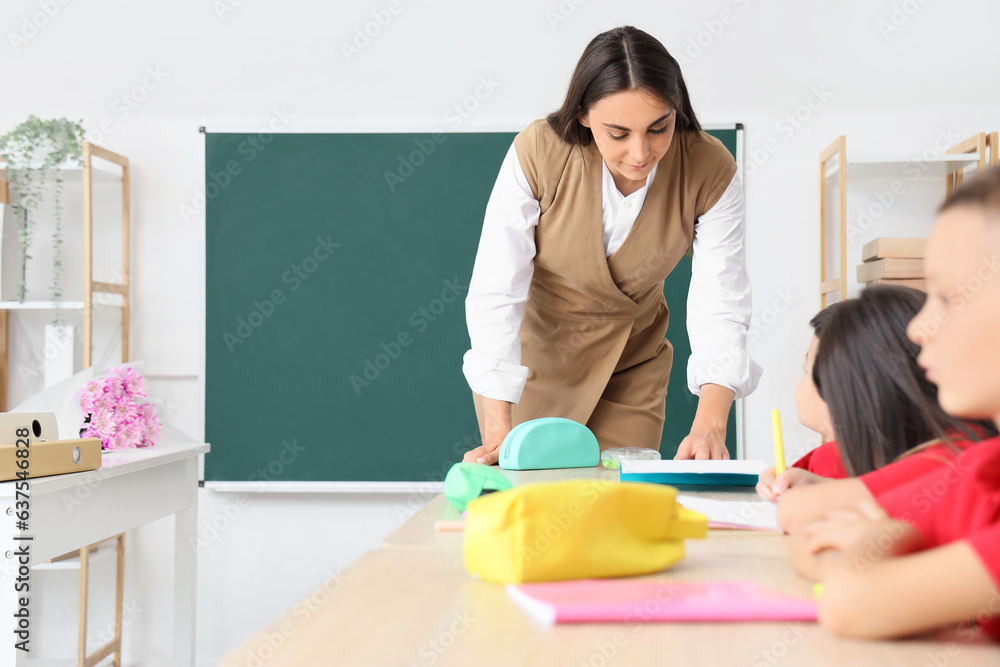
(336, 271)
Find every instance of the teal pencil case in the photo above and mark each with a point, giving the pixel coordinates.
(549, 442)
(467, 481)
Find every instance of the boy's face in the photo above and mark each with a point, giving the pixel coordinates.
(958, 328)
(812, 410)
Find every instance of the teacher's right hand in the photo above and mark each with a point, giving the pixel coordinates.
(496, 419)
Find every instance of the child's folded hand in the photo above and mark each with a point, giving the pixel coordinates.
(771, 486)
(848, 529)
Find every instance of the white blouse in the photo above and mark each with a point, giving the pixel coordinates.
(718, 305)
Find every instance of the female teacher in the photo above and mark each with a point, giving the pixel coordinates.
(592, 209)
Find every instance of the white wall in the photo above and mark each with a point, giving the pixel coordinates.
(890, 92)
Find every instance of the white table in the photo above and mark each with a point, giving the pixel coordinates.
(134, 487)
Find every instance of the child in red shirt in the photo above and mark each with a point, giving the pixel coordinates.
(890, 425)
(927, 553)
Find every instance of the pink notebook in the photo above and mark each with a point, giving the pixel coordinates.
(637, 600)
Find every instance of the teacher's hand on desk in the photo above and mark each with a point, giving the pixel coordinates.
(708, 445)
(707, 439)
(496, 418)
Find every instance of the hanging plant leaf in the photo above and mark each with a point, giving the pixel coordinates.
(34, 150)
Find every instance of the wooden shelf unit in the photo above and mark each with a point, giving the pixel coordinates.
(90, 173)
(979, 150)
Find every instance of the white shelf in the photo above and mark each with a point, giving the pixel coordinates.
(103, 552)
(103, 171)
(893, 167)
(42, 305)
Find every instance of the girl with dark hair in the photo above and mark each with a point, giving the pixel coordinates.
(882, 410)
(926, 554)
(592, 209)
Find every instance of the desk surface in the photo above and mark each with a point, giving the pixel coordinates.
(419, 607)
(411, 602)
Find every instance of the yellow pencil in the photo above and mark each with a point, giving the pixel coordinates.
(779, 447)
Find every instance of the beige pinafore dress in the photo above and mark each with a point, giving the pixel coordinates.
(593, 335)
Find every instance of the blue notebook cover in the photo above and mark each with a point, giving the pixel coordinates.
(693, 473)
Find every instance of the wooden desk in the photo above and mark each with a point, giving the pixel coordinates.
(134, 487)
(411, 603)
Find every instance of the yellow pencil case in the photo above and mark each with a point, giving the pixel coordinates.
(577, 529)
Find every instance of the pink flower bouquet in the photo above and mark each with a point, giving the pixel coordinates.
(113, 413)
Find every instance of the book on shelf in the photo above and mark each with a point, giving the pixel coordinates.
(887, 248)
(890, 268)
(915, 283)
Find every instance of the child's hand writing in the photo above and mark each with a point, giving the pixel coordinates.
(771, 487)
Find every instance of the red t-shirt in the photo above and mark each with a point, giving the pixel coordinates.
(825, 461)
(913, 466)
(959, 500)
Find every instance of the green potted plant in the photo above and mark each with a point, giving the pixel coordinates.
(34, 152)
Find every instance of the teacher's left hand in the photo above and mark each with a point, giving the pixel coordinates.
(703, 445)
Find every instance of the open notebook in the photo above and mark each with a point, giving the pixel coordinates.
(712, 473)
(646, 601)
(741, 514)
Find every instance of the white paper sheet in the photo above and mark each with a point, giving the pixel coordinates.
(747, 514)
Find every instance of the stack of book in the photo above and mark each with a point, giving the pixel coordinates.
(893, 261)
(29, 448)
